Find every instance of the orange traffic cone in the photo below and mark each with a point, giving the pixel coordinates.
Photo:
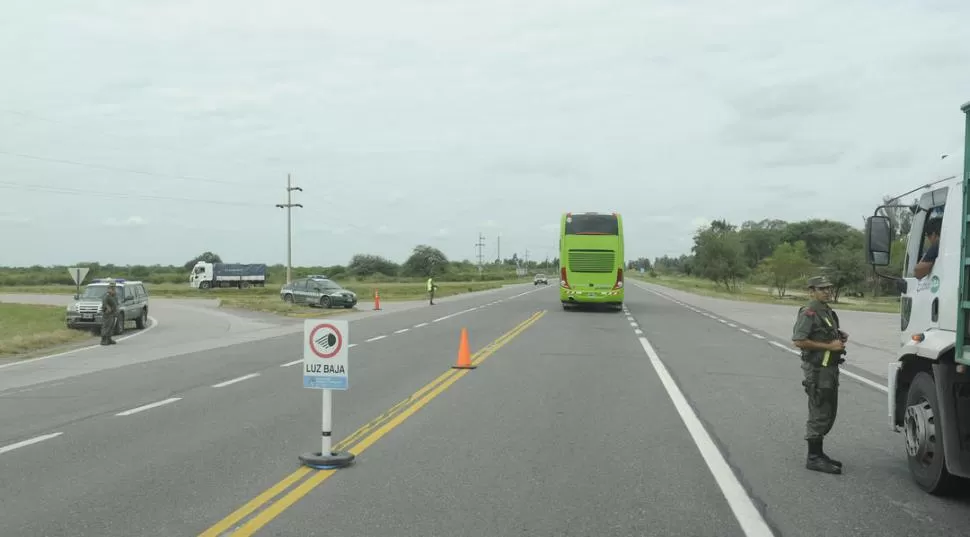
(464, 354)
(377, 299)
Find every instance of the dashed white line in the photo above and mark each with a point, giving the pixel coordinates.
(351, 345)
(375, 338)
(638, 332)
(420, 325)
(722, 321)
(634, 325)
(294, 362)
(745, 330)
(401, 331)
(747, 515)
(235, 380)
(28, 442)
(148, 406)
(759, 336)
(732, 325)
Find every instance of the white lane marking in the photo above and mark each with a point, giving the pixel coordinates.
(72, 351)
(148, 406)
(732, 325)
(722, 321)
(881, 387)
(294, 362)
(634, 325)
(351, 345)
(420, 325)
(28, 442)
(235, 380)
(638, 332)
(747, 515)
(375, 338)
(401, 331)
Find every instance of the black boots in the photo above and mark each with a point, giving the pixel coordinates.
(819, 461)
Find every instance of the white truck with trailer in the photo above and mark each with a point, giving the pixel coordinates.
(213, 275)
(929, 383)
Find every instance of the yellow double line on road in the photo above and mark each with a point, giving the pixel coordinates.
(360, 440)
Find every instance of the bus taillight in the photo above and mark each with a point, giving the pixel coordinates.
(619, 279)
(563, 282)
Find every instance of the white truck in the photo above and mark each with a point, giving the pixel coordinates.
(208, 275)
(929, 383)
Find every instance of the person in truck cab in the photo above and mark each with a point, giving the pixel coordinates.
(932, 233)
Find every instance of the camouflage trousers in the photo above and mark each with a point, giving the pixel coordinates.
(822, 387)
(108, 327)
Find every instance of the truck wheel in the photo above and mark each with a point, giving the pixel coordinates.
(204, 285)
(924, 441)
(142, 321)
(288, 298)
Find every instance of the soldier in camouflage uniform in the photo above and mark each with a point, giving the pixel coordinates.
(109, 314)
(817, 334)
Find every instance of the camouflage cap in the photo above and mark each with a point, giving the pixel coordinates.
(817, 282)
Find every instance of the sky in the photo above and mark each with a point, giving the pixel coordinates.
(140, 132)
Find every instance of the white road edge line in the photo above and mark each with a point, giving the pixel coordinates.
(375, 338)
(235, 380)
(148, 406)
(28, 442)
(747, 515)
(72, 351)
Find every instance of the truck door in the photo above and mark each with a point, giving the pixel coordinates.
(920, 304)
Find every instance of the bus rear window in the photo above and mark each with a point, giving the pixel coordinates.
(592, 224)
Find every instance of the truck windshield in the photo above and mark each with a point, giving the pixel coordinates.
(97, 292)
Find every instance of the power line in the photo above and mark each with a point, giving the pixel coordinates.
(102, 194)
(480, 244)
(127, 170)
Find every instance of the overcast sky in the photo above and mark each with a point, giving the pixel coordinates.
(410, 122)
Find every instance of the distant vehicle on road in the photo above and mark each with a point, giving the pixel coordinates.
(207, 275)
(540, 278)
(85, 311)
(321, 292)
(591, 259)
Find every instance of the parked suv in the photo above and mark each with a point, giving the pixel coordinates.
(85, 311)
(321, 292)
(540, 278)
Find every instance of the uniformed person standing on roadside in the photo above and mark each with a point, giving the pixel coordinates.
(109, 314)
(431, 288)
(817, 334)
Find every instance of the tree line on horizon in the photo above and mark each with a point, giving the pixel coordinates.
(783, 255)
(424, 261)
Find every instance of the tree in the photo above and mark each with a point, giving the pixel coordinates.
(368, 265)
(845, 267)
(206, 257)
(786, 263)
(425, 261)
(719, 254)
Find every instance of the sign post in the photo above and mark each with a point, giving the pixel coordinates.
(325, 368)
(78, 274)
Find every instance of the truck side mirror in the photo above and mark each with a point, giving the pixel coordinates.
(878, 240)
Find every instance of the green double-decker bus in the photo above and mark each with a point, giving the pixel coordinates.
(591, 259)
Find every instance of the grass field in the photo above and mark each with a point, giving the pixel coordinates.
(753, 293)
(25, 328)
(267, 299)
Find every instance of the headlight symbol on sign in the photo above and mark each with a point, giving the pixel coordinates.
(327, 342)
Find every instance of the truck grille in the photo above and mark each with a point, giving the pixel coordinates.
(592, 261)
(89, 308)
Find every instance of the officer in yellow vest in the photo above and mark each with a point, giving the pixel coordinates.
(431, 289)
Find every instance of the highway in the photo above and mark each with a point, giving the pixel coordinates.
(679, 416)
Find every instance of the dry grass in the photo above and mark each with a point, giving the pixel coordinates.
(752, 293)
(26, 327)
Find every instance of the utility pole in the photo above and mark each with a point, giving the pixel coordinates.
(498, 249)
(480, 244)
(289, 225)
(526, 258)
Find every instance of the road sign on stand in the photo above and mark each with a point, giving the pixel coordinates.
(325, 368)
(325, 354)
(78, 274)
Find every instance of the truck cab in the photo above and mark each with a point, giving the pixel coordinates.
(929, 382)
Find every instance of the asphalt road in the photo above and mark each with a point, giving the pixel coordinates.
(662, 421)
